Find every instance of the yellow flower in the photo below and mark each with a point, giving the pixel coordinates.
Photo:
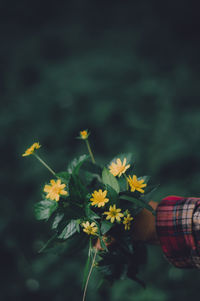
(31, 149)
(135, 184)
(90, 229)
(84, 134)
(113, 214)
(55, 190)
(117, 169)
(127, 221)
(99, 198)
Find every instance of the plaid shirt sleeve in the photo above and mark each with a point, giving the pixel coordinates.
(178, 229)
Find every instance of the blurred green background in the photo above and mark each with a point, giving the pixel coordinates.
(129, 72)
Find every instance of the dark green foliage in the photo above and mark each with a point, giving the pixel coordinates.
(109, 179)
(59, 216)
(92, 168)
(90, 214)
(75, 165)
(66, 247)
(45, 208)
(112, 194)
(69, 230)
(105, 226)
(138, 202)
(121, 262)
(64, 176)
(149, 192)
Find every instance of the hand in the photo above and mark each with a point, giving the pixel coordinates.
(144, 226)
(109, 242)
(144, 229)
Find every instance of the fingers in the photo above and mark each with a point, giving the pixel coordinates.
(98, 245)
(153, 204)
(108, 240)
(144, 227)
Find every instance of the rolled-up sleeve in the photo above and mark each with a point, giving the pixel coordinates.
(178, 229)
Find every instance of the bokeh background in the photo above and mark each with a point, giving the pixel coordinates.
(129, 72)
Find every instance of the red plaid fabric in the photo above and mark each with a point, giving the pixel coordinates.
(178, 229)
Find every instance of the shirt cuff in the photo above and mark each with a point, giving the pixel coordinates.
(178, 229)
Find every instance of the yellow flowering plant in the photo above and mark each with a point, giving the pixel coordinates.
(88, 202)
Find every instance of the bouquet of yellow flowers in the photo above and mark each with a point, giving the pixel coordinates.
(87, 203)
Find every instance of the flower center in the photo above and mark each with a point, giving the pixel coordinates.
(113, 213)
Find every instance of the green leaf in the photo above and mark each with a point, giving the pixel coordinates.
(78, 225)
(44, 209)
(105, 227)
(112, 195)
(69, 230)
(89, 179)
(69, 247)
(109, 179)
(122, 184)
(92, 168)
(64, 176)
(148, 192)
(75, 165)
(90, 213)
(77, 190)
(90, 172)
(74, 211)
(71, 214)
(74, 189)
(138, 202)
(59, 216)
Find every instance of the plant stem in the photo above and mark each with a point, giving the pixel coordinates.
(89, 150)
(47, 243)
(47, 166)
(89, 274)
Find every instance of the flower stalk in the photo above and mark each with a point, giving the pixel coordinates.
(89, 150)
(89, 274)
(43, 163)
(84, 136)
